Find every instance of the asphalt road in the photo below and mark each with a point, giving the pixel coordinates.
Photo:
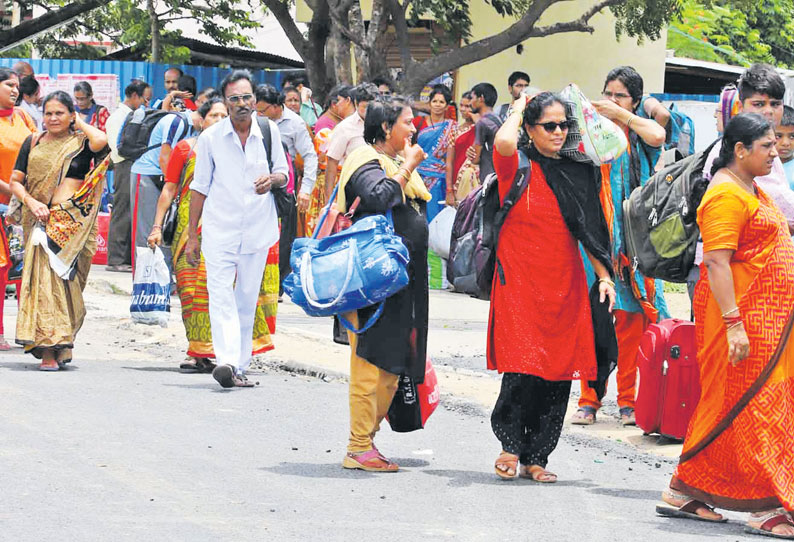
(133, 450)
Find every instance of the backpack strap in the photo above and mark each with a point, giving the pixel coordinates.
(520, 183)
(267, 139)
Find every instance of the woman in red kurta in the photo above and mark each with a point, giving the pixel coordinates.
(540, 326)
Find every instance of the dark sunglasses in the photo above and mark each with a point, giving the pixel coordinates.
(551, 127)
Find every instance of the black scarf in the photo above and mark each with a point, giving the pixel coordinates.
(577, 186)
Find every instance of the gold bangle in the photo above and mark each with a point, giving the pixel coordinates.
(631, 119)
(724, 314)
(607, 281)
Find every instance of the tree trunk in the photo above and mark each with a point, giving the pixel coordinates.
(155, 21)
(27, 30)
(361, 55)
(343, 70)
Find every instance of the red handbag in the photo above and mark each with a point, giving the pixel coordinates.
(335, 221)
(414, 403)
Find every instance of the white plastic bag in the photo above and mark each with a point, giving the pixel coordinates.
(601, 139)
(151, 288)
(441, 231)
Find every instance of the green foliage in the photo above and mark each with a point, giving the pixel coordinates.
(21, 51)
(644, 18)
(128, 23)
(736, 31)
(636, 18)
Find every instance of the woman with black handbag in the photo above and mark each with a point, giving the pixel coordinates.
(397, 343)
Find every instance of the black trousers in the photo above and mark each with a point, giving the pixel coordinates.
(120, 232)
(528, 416)
(289, 230)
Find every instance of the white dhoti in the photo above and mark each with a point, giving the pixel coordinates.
(233, 284)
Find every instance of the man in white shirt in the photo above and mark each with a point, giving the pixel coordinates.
(231, 195)
(137, 94)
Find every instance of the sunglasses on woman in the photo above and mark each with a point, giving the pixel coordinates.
(551, 127)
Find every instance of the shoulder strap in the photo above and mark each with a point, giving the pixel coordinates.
(182, 175)
(520, 183)
(267, 139)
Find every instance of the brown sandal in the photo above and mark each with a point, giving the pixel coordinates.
(508, 460)
(538, 474)
(688, 510)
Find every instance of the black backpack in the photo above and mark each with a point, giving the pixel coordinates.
(285, 202)
(492, 215)
(137, 129)
(660, 220)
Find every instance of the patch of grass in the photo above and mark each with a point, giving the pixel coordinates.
(675, 288)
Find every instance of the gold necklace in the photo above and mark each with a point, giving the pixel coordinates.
(741, 181)
(383, 152)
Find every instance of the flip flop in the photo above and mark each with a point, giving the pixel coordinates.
(687, 511)
(582, 416)
(627, 417)
(190, 366)
(769, 522)
(50, 368)
(370, 461)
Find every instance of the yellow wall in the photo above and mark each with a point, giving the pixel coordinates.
(554, 61)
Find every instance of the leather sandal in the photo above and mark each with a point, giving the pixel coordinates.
(370, 461)
(688, 510)
(770, 521)
(538, 474)
(508, 460)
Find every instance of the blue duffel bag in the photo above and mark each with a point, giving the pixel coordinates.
(358, 267)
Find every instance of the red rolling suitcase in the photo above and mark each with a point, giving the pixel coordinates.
(668, 378)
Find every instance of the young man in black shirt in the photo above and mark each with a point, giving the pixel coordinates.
(483, 99)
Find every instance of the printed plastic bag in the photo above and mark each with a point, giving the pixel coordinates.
(151, 288)
(595, 136)
(413, 404)
(441, 231)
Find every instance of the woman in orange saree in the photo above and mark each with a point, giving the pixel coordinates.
(739, 449)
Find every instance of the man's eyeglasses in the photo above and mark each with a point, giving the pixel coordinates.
(618, 95)
(551, 127)
(240, 98)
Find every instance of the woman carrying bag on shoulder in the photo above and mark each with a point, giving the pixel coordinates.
(397, 343)
(540, 331)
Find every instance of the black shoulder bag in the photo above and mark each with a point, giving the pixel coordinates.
(285, 202)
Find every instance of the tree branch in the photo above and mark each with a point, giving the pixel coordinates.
(28, 30)
(280, 11)
(339, 13)
(582, 24)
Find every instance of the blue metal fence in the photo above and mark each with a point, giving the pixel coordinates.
(206, 76)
